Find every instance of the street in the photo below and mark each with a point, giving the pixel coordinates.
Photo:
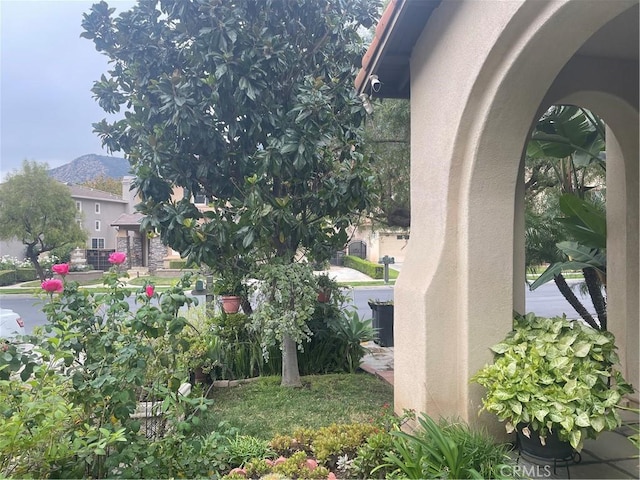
(545, 301)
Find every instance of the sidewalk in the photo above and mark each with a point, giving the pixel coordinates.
(346, 275)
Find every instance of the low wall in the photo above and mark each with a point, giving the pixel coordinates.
(88, 275)
(171, 272)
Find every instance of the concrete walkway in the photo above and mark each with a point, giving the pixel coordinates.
(379, 362)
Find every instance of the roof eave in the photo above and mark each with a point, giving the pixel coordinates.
(389, 54)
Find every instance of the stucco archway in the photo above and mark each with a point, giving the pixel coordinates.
(476, 88)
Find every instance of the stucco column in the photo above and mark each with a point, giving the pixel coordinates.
(623, 285)
(475, 89)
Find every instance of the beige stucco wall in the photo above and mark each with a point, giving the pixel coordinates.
(382, 242)
(479, 75)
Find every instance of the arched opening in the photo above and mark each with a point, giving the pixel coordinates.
(464, 271)
(565, 168)
(492, 190)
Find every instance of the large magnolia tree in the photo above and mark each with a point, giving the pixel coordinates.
(249, 103)
(39, 212)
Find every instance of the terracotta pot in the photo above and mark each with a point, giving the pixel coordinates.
(230, 303)
(324, 296)
(199, 376)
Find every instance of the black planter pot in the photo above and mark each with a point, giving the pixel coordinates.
(383, 323)
(553, 449)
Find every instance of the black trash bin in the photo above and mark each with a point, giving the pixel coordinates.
(382, 313)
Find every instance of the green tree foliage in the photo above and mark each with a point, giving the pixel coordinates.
(38, 211)
(387, 138)
(105, 184)
(249, 103)
(565, 169)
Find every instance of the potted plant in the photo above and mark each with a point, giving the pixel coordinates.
(326, 285)
(230, 289)
(382, 312)
(554, 377)
(202, 356)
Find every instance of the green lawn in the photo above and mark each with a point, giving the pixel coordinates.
(263, 408)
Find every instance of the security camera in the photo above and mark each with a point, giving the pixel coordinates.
(375, 83)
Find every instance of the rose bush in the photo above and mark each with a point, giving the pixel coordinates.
(117, 258)
(76, 390)
(60, 268)
(53, 285)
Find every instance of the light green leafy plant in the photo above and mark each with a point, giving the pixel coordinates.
(554, 375)
(243, 448)
(288, 298)
(352, 331)
(445, 450)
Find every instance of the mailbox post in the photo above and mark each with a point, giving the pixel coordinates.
(386, 260)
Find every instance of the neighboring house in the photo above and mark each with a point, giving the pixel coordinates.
(373, 243)
(96, 211)
(478, 75)
(13, 249)
(144, 250)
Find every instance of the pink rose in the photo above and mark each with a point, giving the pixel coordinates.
(60, 268)
(53, 285)
(149, 290)
(117, 258)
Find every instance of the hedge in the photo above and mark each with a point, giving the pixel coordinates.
(26, 274)
(177, 264)
(374, 270)
(7, 277)
(181, 265)
(11, 277)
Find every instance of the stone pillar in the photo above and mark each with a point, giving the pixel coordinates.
(136, 251)
(157, 252)
(122, 244)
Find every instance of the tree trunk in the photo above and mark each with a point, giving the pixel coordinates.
(573, 301)
(246, 306)
(33, 258)
(290, 370)
(595, 290)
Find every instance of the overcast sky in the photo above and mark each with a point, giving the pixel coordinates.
(46, 73)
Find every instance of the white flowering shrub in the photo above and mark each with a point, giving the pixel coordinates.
(287, 297)
(8, 262)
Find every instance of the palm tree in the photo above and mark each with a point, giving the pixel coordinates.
(566, 152)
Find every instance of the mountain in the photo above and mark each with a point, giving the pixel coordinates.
(88, 167)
